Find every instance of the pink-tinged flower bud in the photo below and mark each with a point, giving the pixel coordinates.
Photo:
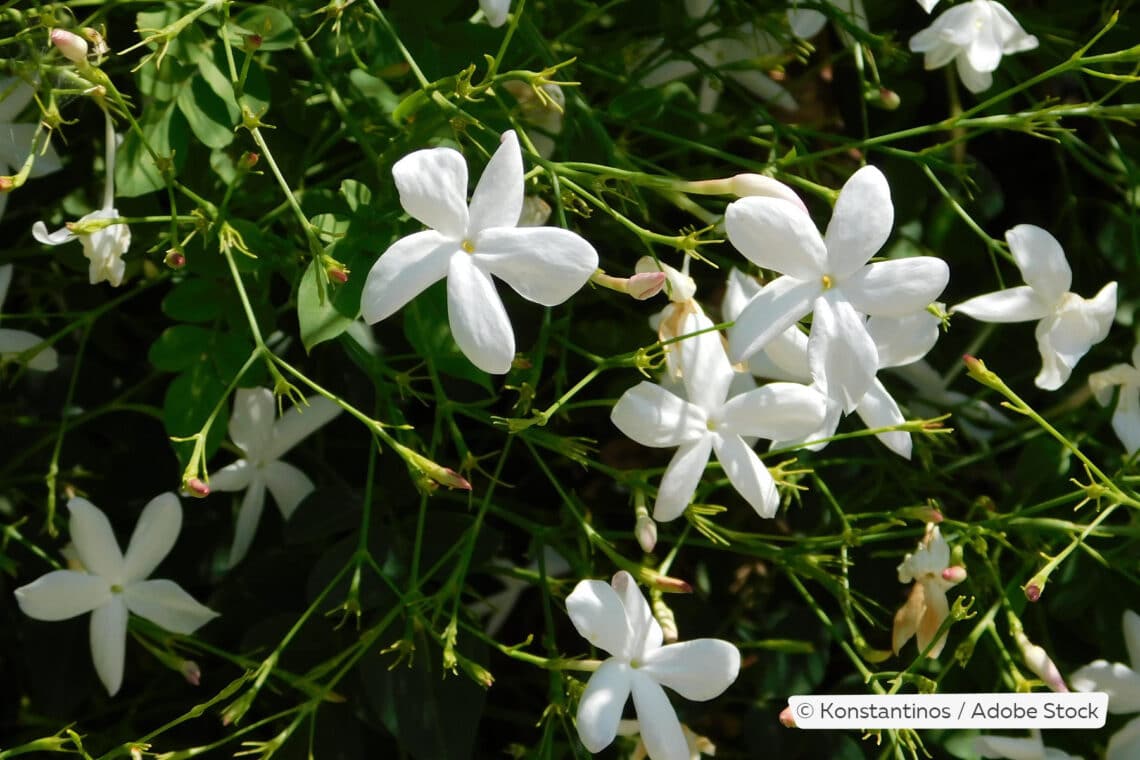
(745, 185)
(249, 160)
(7, 184)
(954, 574)
(1033, 592)
(339, 275)
(253, 42)
(671, 584)
(644, 285)
(787, 717)
(646, 532)
(73, 47)
(174, 259)
(196, 487)
(1039, 662)
(191, 672)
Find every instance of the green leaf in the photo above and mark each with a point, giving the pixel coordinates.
(207, 114)
(356, 194)
(167, 133)
(163, 83)
(319, 321)
(190, 399)
(427, 328)
(195, 299)
(376, 90)
(180, 347)
(276, 28)
(330, 227)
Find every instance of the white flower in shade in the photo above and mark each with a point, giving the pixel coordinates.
(541, 107)
(707, 422)
(497, 607)
(469, 244)
(104, 248)
(1069, 325)
(829, 276)
(696, 744)
(16, 139)
(1122, 684)
(264, 440)
(616, 618)
(807, 22)
(1018, 748)
(114, 584)
(974, 417)
(15, 342)
(975, 35)
(1126, 417)
(496, 11)
(930, 570)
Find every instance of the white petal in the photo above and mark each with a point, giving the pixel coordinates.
(1126, 423)
(928, 5)
(601, 704)
(984, 52)
(108, 635)
(95, 540)
(1041, 260)
(498, 197)
(1010, 747)
(704, 364)
(1020, 304)
(496, 11)
(59, 237)
(898, 287)
(46, 162)
(545, 265)
(406, 269)
(778, 306)
(62, 594)
(764, 88)
(698, 670)
(249, 515)
(806, 22)
(599, 616)
(433, 188)
(1121, 683)
(13, 342)
(776, 234)
(15, 94)
(232, 477)
(841, 354)
(1131, 625)
(975, 81)
(681, 478)
(478, 319)
(251, 423)
(668, 71)
(860, 223)
(654, 417)
(878, 409)
(747, 474)
(738, 291)
(775, 411)
(1014, 39)
(167, 604)
(288, 485)
(660, 728)
(646, 631)
(903, 340)
(1069, 333)
(784, 358)
(1125, 743)
(826, 429)
(300, 422)
(6, 281)
(155, 533)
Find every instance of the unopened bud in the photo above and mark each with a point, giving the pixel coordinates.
(954, 574)
(670, 584)
(253, 42)
(174, 259)
(746, 185)
(888, 100)
(645, 285)
(7, 184)
(1033, 592)
(1039, 662)
(787, 717)
(73, 47)
(437, 473)
(249, 160)
(196, 487)
(339, 275)
(191, 672)
(646, 531)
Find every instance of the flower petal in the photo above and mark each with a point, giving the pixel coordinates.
(155, 533)
(841, 354)
(806, 22)
(478, 319)
(906, 618)
(406, 269)
(975, 81)
(299, 423)
(6, 280)
(601, 704)
(739, 289)
(498, 197)
(779, 305)
(1013, 38)
(654, 417)
(1124, 744)
(599, 616)
(878, 409)
(681, 478)
(167, 604)
(660, 728)
(233, 477)
(13, 342)
(937, 609)
(1009, 747)
(1121, 683)
(249, 515)
(1126, 424)
(1068, 334)
(705, 368)
(764, 88)
(59, 237)
(699, 670)
(95, 540)
(984, 51)
(62, 594)
(747, 474)
(1041, 260)
(496, 11)
(108, 636)
(646, 631)
(897, 288)
(775, 411)
(903, 340)
(15, 94)
(251, 423)
(778, 235)
(433, 188)
(1020, 304)
(860, 223)
(288, 485)
(545, 265)
(1131, 626)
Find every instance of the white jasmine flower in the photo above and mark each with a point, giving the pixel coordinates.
(708, 422)
(1126, 417)
(1015, 748)
(1069, 325)
(15, 342)
(930, 570)
(975, 35)
(113, 584)
(1122, 684)
(496, 11)
(104, 247)
(829, 276)
(696, 744)
(497, 607)
(616, 618)
(16, 139)
(264, 440)
(807, 22)
(467, 245)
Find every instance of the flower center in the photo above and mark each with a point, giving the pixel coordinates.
(116, 588)
(468, 245)
(711, 424)
(826, 281)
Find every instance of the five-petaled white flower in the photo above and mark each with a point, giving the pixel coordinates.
(975, 35)
(1126, 417)
(16, 139)
(1069, 325)
(264, 441)
(709, 422)
(113, 583)
(617, 619)
(829, 276)
(496, 11)
(103, 247)
(930, 570)
(467, 245)
(15, 342)
(1122, 684)
(1019, 748)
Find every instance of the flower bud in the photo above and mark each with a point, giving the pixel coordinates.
(196, 487)
(1033, 592)
(1039, 662)
(73, 47)
(746, 185)
(249, 160)
(954, 574)
(646, 531)
(437, 473)
(174, 259)
(191, 672)
(252, 42)
(7, 184)
(645, 285)
(787, 717)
